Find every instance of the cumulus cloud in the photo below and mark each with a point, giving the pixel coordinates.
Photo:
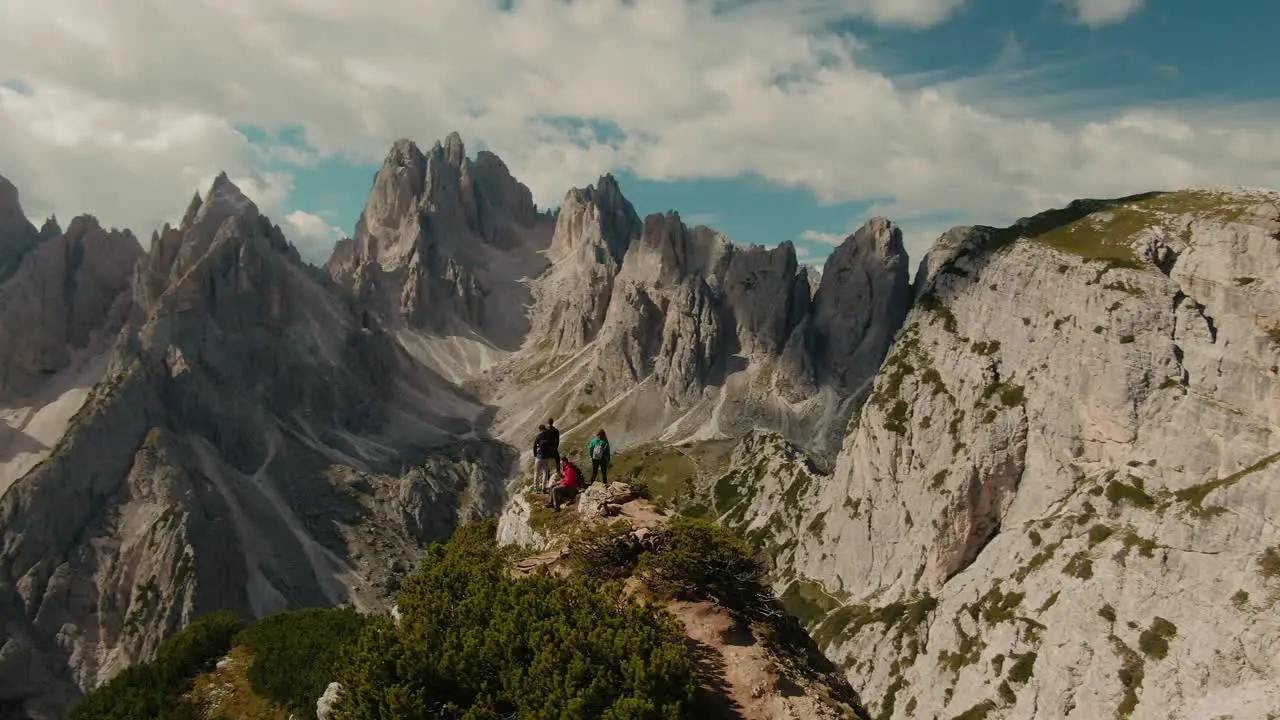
(823, 238)
(1096, 13)
(311, 234)
(126, 104)
(135, 166)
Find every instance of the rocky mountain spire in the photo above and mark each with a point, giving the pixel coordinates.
(594, 229)
(432, 235)
(68, 290)
(193, 208)
(599, 217)
(17, 235)
(861, 302)
(50, 228)
(241, 378)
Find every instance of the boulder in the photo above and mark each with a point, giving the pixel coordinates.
(324, 706)
(597, 499)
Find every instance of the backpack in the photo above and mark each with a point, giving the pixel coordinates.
(597, 452)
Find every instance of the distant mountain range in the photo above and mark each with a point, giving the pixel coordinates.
(1073, 414)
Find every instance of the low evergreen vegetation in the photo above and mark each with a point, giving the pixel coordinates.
(699, 560)
(297, 654)
(475, 643)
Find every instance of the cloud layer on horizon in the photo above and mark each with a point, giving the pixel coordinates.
(124, 109)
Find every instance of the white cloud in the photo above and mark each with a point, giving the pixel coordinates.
(824, 238)
(311, 234)
(133, 166)
(1096, 13)
(133, 102)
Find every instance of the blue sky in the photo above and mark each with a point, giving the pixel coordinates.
(776, 120)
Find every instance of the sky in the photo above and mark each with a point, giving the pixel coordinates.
(770, 120)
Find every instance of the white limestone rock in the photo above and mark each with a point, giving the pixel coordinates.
(324, 706)
(1056, 501)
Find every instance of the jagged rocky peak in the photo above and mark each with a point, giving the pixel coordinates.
(17, 235)
(397, 189)
(861, 302)
(454, 150)
(193, 209)
(437, 239)
(11, 214)
(195, 477)
(594, 230)
(50, 228)
(222, 231)
(596, 222)
(64, 293)
(439, 196)
(670, 253)
(767, 295)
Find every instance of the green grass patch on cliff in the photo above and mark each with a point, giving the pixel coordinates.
(808, 601)
(1109, 233)
(1195, 495)
(670, 471)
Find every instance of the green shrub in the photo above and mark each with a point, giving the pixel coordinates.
(297, 654)
(698, 560)
(605, 552)
(155, 689)
(475, 643)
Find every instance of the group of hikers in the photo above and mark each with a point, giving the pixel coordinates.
(548, 463)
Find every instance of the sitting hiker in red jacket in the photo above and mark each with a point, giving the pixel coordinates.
(569, 485)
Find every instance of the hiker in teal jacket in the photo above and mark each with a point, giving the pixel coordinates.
(598, 451)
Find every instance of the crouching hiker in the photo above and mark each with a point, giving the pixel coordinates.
(598, 451)
(569, 485)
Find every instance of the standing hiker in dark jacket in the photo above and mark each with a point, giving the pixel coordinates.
(541, 460)
(553, 443)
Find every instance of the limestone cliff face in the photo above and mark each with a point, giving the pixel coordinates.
(443, 241)
(1055, 502)
(65, 291)
(257, 444)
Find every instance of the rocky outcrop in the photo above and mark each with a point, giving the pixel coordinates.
(667, 322)
(443, 243)
(208, 471)
(327, 701)
(1054, 503)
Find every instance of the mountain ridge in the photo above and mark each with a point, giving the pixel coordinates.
(268, 434)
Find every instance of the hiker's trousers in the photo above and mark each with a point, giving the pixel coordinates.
(542, 473)
(601, 467)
